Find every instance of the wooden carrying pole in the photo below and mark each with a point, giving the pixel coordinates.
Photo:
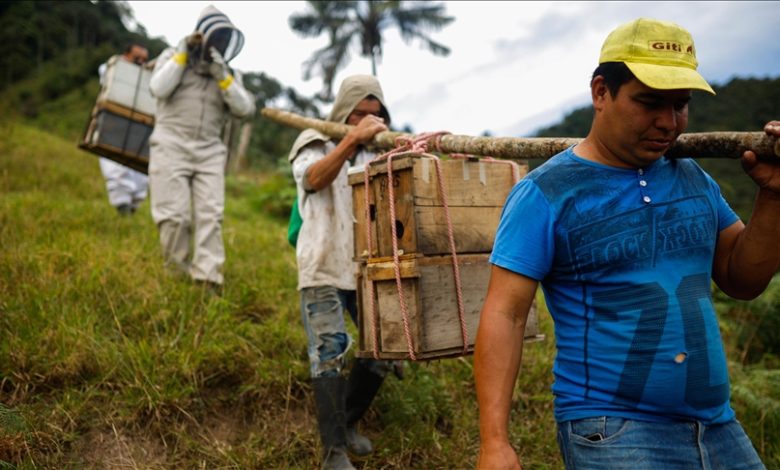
(695, 145)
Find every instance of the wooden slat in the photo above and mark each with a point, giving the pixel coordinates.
(474, 229)
(391, 329)
(438, 302)
(386, 270)
(467, 183)
(404, 213)
(135, 162)
(128, 113)
(380, 167)
(358, 210)
(432, 303)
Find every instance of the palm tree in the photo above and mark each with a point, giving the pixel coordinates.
(361, 23)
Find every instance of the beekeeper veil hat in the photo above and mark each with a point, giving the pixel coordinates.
(220, 33)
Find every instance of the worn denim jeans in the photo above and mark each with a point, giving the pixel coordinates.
(322, 312)
(607, 443)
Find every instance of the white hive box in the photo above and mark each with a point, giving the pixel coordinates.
(127, 85)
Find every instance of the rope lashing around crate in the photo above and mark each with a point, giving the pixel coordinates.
(405, 146)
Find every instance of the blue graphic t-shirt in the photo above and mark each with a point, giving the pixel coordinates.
(624, 257)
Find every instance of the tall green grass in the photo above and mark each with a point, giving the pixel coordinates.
(752, 334)
(106, 361)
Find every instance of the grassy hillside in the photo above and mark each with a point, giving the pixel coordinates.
(108, 362)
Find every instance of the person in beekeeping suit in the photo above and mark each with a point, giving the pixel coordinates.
(125, 186)
(196, 91)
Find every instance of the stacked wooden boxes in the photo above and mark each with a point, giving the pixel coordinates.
(476, 191)
(123, 116)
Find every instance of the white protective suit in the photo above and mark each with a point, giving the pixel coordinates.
(187, 155)
(125, 186)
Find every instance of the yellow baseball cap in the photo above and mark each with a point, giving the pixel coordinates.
(659, 53)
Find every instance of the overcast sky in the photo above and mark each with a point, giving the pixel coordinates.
(514, 66)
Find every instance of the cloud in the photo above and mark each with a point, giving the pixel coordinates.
(549, 31)
(420, 105)
(528, 126)
(746, 47)
(513, 66)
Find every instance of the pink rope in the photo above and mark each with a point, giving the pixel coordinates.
(396, 262)
(400, 145)
(455, 267)
(405, 146)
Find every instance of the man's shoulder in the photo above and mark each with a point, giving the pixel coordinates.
(556, 166)
(305, 139)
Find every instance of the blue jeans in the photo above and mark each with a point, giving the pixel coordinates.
(322, 312)
(616, 443)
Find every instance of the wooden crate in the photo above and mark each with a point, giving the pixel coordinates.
(122, 118)
(429, 290)
(476, 191)
(111, 133)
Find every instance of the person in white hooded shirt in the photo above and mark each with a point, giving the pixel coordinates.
(326, 271)
(196, 91)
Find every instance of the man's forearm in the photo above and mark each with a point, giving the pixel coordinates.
(497, 357)
(321, 174)
(756, 255)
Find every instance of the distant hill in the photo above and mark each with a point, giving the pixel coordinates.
(743, 104)
(77, 34)
(49, 55)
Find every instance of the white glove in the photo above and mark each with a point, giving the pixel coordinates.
(219, 68)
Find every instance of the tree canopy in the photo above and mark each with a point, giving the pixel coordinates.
(33, 33)
(360, 25)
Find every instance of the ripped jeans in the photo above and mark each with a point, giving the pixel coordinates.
(322, 312)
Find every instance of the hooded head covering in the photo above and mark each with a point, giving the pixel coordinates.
(218, 32)
(352, 91)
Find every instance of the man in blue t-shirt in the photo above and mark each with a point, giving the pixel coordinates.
(625, 243)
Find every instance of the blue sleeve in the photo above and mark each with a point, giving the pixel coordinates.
(525, 242)
(726, 215)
